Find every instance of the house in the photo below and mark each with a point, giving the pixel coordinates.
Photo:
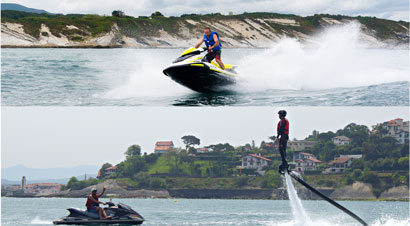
(301, 145)
(302, 155)
(338, 165)
(307, 164)
(203, 150)
(163, 146)
(351, 156)
(110, 170)
(42, 188)
(256, 162)
(397, 128)
(269, 146)
(341, 140)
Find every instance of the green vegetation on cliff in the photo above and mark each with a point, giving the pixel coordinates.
(384, 165)
(91, 25)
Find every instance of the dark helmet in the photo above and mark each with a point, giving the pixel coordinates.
(282, 112)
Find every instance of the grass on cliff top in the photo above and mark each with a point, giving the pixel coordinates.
(93, 25)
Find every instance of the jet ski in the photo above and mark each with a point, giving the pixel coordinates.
(120, 214)
(192, 70)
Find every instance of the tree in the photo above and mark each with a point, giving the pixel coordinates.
(326, 136)
(190, 140)
(133, 150)
(271, 179)
(118, 13)
(102, 170)
(71, 182)
(131, 166)
(156, 14)
(357, 133)
(174, 156)
(157, 182)
(143, 179)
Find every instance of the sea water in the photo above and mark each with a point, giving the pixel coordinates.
(42, 211)
(336, 69)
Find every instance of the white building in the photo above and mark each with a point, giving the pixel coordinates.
(396, 128)
(402, 137)
(341, 140)
(256, 162)
(307, 164)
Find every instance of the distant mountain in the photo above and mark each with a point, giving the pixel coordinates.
(59, 181)
(18, 7)
(15, 173)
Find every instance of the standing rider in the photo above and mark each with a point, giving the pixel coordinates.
(92, 204)
(212, 42)
(283, 137)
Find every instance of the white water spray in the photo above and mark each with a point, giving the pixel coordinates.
(299, 213)
(39, 221)
(336, 58)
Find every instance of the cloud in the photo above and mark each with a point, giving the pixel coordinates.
(389, 9)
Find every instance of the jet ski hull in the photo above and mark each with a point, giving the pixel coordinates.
(120, 214)
(199, 77)
(77, 221)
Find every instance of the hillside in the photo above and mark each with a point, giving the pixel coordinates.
(236, 31)
(18, 7)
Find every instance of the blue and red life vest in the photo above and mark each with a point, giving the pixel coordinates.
(209, 41)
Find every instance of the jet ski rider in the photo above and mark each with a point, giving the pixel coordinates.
(211, 39)
(92, 204)
(283, 137)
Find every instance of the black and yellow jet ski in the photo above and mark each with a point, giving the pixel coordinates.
(192, 70)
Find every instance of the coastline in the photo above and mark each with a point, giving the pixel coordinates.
(251, 194)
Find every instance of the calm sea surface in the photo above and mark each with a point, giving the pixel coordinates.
(42, 211)
(280, 76)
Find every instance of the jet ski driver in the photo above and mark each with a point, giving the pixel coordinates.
(92, 204)
(283, 137)
(211, 39)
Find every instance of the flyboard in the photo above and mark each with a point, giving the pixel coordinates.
(298, 179)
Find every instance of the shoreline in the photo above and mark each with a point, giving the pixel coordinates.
(233, 194)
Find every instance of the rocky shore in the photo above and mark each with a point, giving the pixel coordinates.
(356, 191)
(236, 31)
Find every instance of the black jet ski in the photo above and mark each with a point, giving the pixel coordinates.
(193, 71)
(121, 214)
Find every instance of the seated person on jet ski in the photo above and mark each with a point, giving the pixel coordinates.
(211, 39)
(92, 204)
(283, 137)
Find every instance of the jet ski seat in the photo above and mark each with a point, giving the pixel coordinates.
(77, 212)
(227, 66)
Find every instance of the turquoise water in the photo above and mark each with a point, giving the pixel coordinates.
(42, 211)
(267, 77)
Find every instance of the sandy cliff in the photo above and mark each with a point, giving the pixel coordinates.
(236, 32)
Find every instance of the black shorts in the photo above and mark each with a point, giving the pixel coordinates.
(214, 54)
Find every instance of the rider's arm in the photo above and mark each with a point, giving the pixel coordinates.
(94, 200)
(216, 42)
(101, 194)
(199, 43)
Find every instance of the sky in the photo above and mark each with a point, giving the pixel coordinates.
(46, 137)
(388, 9)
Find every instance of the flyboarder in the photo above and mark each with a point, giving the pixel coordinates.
(212, 42)
(283, 137)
